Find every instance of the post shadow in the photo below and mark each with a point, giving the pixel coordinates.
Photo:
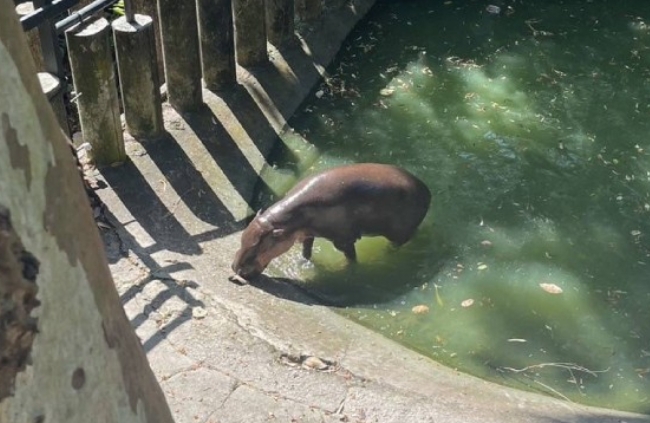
(170, 291)
(172, 287)
(187, 181)
(148, 210)
(166, 329)
(249, 114)
(288, 289)
(225, 151)
(284, 88)
(260, 131)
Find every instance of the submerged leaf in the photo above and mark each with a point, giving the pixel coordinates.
(420, 309)
(438, 297)
(551, 288)
(468, 302)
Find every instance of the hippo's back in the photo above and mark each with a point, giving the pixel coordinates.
(362, 179)
(365, 198)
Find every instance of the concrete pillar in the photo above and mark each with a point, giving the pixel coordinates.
(250, 32)
(181, 54)
(135, 48)
(89, 49)
(279, 21)
(51, 50)
(51, 86)
(33, 38)
(307, 10)
(150, 8)
(217, 35)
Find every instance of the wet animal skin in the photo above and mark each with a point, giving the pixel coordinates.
(341, 204)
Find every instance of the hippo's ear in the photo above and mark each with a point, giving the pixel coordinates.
(278, 232)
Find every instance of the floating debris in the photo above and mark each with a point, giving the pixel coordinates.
(493, 9)
(438, 297)
(551, 288)
(467, 303)
(420, 309)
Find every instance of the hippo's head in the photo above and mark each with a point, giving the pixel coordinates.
(261, 242)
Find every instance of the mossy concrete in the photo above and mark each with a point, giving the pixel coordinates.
(250, 32)
(93, 73)
(265, 351)
(181, 53)
(137, 64)
(217, 44)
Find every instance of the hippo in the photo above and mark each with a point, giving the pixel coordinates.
(341, 204)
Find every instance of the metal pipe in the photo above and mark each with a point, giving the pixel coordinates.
(45, 11)
(128, 11)
(83, 14)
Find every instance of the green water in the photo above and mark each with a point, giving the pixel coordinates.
(532, 129)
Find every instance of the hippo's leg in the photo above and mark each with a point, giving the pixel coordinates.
(347, 247)
(307, 246)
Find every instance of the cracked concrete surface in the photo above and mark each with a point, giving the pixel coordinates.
(229, 353)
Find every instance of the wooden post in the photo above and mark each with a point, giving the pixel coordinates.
(279, 21)
(181, 53)
(250, 32)
(135, 48)
(89, 49)
(217, 44)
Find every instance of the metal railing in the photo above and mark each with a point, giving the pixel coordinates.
(49, 16)
(50, 9)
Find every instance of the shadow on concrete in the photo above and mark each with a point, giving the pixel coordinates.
(223, 149)
(144, 201)
(149, 211)
(288, 289)
(277, 84)
(190, 185)
(173, 289)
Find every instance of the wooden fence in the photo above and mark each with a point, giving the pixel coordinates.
(201, 42)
